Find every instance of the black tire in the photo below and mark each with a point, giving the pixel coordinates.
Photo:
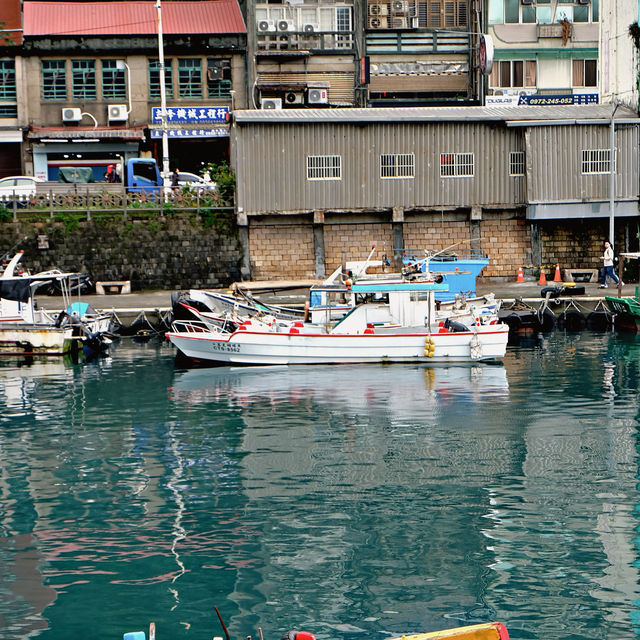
(552, 291)
(572, 320)
(599, 321)
(545, 321)
(513, 321)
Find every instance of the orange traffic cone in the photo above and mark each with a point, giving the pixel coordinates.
(543, 278)
(557, 277)
(520, 277)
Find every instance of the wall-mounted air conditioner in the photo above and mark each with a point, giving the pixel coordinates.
(378, 9)
(285, 25)
(376, 22)
(71, 114)
(294, 97)
(400, 6)
(317, 96)
(117, 112)
(526, 1)
(401, 22)
(583, 1)
(311, 28)
(266, 26)
(271, 103)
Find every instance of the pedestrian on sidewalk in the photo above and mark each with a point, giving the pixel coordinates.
(607, 269)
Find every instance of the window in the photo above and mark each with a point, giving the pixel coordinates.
(219, 77)
(154, 78)
(189, 78)
(54, 80)
(456, 165)
(596, 161)
(8, 89)
(514, 73)
(442, 13)
(516, 163)
(397, 165)
(83, 80)
(542, 11)
(114, 84)
(324, 167)
(585, 73)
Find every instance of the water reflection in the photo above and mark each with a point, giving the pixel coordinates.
(346, 500)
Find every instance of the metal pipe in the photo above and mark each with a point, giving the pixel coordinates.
(163, 96)
(612, 175)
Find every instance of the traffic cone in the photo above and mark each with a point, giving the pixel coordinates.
(543, 278)
(520, 277)
(557, 277)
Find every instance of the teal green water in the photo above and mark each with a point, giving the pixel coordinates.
(352, 502)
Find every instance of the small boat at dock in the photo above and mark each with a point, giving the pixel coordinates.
(390, 322)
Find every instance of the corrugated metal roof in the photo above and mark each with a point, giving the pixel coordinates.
(62, 133)
(525, 115)
(131, 18)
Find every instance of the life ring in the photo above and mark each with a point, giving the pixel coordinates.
(572, 320)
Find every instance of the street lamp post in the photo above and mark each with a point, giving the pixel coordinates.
(163, 96)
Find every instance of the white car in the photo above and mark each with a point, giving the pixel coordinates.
(191, 180)
(18, 188)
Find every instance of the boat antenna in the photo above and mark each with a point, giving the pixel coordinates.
(224, 628)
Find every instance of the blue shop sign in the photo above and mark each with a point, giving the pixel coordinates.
(192, 115)
(554, 101)
(215, 132)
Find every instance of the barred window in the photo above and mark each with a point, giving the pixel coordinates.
(190, 78)
(113, 80)
(8, 89)
(83, 79)
(219, 77)
(154, 78)
(516, 163)
(456, 165)
(54, 80)
(397, 165)
(596, 161)
(324, 167)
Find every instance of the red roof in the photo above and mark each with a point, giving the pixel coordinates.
(133, 17)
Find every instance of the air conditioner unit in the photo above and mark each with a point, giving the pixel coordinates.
(271, 103)
(378, 9)
(311, 28)
(285, 25)
(400, 22)
(117, 112)
(265, 26)
(376, 22)
(317, 96)
(400, 6)
(582, 1)
(294, 97)
(70, 114)
(526, 1)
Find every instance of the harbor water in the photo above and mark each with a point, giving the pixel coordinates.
(354, 502)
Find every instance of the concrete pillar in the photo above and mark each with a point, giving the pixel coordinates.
(318, 244)
(536, 246)
(243, 238)
(397, 228)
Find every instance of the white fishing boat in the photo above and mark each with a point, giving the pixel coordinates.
(390, 322)
(27, 330)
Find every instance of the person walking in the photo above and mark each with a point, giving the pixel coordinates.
(607, 269)
(175, 179)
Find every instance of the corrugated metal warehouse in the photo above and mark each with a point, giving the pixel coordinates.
(497, 179)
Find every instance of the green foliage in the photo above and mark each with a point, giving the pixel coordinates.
(634, 33)
(225, 180)
(222, 220)
(5, 214)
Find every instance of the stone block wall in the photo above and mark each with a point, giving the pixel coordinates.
(282, 251)
(436, 235)
(171, 252)
(356, 240)
(508, 245)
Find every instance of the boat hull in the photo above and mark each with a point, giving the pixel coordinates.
(23, 338)
(271, 348)
(626, 313)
